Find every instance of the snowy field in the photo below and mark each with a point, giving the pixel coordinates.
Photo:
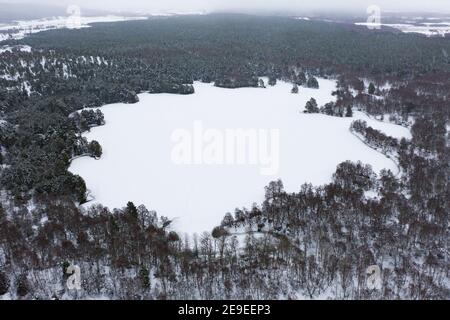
(21, 28)
(22, 48)
(425, 28)
(137, 165)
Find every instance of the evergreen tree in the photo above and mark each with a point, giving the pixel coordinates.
(272, 81)
(311, 106)
(22, 286)
(144, 276)
(95, 149)
(312, 83)
(349, 112)
(371, 88)
(132, 210)
(4, 283)
(227, 220)
(301, 78)
(78, 187)
(294, 88)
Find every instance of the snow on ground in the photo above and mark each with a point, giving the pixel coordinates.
(136, 164)
(22, 48)
(19, 29)
(384, 125)
(428, 29)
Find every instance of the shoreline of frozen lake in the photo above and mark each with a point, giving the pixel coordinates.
(136, 164)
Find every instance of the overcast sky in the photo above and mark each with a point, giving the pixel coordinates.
(248, 5)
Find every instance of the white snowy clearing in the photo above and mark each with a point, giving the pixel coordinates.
(22, 48)
(427, 29)
(21, 28)
(137, 144)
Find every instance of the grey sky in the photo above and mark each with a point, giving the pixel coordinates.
(248, 5)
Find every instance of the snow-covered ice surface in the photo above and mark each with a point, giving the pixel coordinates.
(136, 164)
(19, 29)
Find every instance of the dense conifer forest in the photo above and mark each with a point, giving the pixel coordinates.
(314, 243)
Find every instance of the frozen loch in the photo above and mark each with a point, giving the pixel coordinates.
(172, 152)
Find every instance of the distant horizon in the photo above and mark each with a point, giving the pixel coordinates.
(436, 7)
